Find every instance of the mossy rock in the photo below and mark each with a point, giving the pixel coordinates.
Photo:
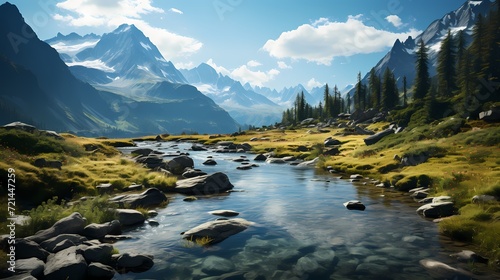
(407, 183)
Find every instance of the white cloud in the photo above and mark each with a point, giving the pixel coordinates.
(283, 65)
(313, 83)
(245, 75)
(255, 78)
(112, 13)
(177, 11)
(322, 41)
(394, 20)
(219, 69)
(253, 63)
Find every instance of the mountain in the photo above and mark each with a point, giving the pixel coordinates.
(286, 96)
(116, 60)
(242, 103)
(39, 88)
(401, 58)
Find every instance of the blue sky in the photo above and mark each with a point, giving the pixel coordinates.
(267, 43)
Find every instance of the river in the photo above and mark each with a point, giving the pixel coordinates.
(301, 228)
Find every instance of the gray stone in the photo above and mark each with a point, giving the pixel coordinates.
(204, 185)
(20, 126)
(437, 210)
(492, 115)
(134, 262)
(331, 142)
(439, 270)
(244, 167)
(275, 160)
(74, 223)
(373, 269)
(150, 161)
(217, 231)
(149, 197)
(178, 164)
(153, 222)
(354, 205)
(104, 188)
(98, 231)
(370, 140)
(65, 264)
(128, 217)
(98, 253)
(100, 271)
(25, 276)
(356, 176)
(213, 265)
(61, 242)
(209, 162)
(134, 187)
(414, 160)
(191, 173)
(483, 198)
(468, 256)
(308, 164)
(32, 265)
(196, 147)
(142, 151)
(224, 213)
(26, 249)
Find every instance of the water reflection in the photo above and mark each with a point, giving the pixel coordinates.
(302, 230)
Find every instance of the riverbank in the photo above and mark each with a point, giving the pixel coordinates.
(460, 166)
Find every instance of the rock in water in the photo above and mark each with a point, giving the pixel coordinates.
(354, 205)
(128, 217)
(204, 185)
(224, 213)
(178, 164)
(150, 197)
(217, 231)
(439, 270)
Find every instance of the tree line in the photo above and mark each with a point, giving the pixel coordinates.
(467, 77)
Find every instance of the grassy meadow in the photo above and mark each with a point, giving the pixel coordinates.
(460, 165)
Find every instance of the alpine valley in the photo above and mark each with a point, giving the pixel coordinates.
(119, 84)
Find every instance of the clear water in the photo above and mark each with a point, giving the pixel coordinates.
(301, 229)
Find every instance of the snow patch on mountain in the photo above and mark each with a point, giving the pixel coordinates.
(95, 64)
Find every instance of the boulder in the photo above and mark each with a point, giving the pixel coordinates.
(492, 115)
(26, 249)
(32, 265)
(483, 198)
(104, 188)
(24, 276)
(332, 152)
(213, 265)
(370, 140)
(128, 217)
(331, 142)
(354, 205)
(20, 126)
(224, 213)
(437, 210)
(356, 176)
(74, 223)
(260, 157)
(218, 230)
(202, 185)
(61, 242)
(178, 164)
(134, 262)
(191, 173)
(309, 163)
(439, 270)
(98, 253)
(97, 270)
(275, 160)
(198, 148)
(468, 256)
(142, 152)
(150, 161)
(149, 197)
(65, 264)
(209, 162)
(414, 159)
(134, 187)
(244, 167)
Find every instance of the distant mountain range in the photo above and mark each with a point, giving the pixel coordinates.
(401, 58)
(39, 88)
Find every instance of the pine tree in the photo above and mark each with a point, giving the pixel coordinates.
(405, 101)
(348, 109)
(389, 91)
(375, 92)
(422, 79)
(446, 67)
(359, 95)
(326, 99)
